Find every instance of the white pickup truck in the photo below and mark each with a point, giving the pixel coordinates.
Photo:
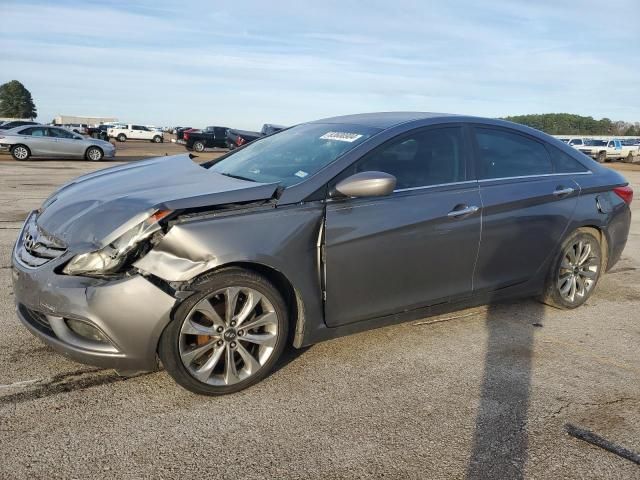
(603, 150)
(135, 132)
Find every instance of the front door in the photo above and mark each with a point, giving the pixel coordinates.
(413, 248)
(66, 143)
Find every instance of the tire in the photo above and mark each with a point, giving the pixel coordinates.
(94, 154)
(629, 158)
(199, 146)
(20, 152)
(197, 343)
(157, 139)
(602, 157)
(121, 137)
(575, 272)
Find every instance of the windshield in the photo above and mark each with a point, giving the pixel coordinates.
(596, 143)
(290, 156)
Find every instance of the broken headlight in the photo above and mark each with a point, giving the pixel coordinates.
(113, 257)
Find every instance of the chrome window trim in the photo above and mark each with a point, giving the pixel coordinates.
(409, 189)
(468, 182)
(541, 175)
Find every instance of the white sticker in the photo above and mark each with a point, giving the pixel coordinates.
(341, 136)
(301, 174)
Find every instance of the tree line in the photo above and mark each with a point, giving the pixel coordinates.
(570, 124)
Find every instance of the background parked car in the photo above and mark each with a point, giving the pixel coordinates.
(135, 132)
(45, 141)
(210, 137)
(180, 132)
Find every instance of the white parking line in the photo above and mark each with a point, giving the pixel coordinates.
(23, 383)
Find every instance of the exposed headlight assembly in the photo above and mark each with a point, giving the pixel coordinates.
(110, 259)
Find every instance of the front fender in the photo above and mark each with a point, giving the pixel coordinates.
(284, 239)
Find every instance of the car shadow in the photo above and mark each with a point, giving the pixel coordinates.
(500, 440)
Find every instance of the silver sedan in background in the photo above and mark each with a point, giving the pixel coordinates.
(44, 141)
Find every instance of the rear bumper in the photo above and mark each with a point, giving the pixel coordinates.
(130, 313)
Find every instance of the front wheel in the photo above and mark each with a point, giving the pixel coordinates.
(226, 337)
(157, 139)
(94, 154)
(575, 272)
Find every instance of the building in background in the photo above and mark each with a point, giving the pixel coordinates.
(76, 119)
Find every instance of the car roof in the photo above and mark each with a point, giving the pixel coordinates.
(382, 120)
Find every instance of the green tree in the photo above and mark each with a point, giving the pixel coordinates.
(16, 101)
(570, 124)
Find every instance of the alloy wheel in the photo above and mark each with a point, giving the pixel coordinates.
(20, 152)
(228, 336)
(94, 154)
(578, 270)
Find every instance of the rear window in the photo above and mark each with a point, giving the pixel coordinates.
(564, 163)
(504, 154)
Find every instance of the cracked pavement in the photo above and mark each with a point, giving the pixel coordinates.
(480, 393)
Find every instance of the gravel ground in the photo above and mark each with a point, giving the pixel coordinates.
(481, 393)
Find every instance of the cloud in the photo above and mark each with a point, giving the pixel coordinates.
(253, 62)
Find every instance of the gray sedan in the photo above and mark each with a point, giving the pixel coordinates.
(321, 230)
(44, 141)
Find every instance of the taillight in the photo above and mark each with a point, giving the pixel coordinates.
(625, 193)
(239, 141)
(185, 136)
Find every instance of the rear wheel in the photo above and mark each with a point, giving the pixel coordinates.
(575, 272)
(157, 139)
(226, 337)
(94, 154)
(121, 138)
(20, 152)
(198, 146)
(602, 157)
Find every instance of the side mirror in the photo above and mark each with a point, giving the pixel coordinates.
(367, 184)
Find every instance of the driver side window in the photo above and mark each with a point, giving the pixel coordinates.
(428, 157)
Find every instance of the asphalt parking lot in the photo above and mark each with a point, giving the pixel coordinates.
(480, 393)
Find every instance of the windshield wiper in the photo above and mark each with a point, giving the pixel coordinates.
(238, 177)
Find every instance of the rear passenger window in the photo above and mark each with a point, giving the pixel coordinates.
(564, 163)
(504, 154)
(428, 157)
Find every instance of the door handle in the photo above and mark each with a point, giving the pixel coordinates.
(560, 192)
(463, 211)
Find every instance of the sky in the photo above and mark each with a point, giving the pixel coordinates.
(244, 63)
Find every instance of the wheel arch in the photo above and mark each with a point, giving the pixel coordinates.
(292, 297)
(21, 145)
(601, 234)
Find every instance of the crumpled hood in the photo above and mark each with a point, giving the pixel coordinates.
(86, 212)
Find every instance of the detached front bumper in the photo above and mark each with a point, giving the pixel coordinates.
(129, 314)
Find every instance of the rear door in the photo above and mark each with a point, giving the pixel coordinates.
(136, 132)
(220, 135)
(413, 248)
(527, 205)
(37, 140)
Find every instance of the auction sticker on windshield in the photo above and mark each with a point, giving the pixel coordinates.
(341, 136)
